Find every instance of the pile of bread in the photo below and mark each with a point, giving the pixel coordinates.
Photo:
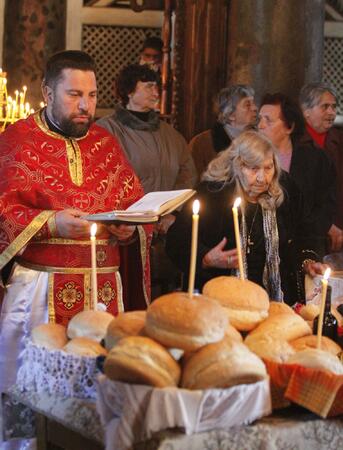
(197, 342)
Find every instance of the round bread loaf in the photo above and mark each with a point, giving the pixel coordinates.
(279, 308)
(90, 324)
(270, 349)
(125, 324)
(177, 321)
(83, 346)
(309, 311)
(246, 301)
(140, 360)
(286, 327)
(314, 358)
(221, 365)
(50, 335)
(328, 345)
(233, 334)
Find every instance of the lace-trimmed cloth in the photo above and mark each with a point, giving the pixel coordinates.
(57, 372)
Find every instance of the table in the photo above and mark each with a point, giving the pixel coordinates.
(78, 420)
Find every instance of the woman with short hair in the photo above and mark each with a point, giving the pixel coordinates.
(236, 112)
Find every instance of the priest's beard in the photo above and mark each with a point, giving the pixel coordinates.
(66, 123)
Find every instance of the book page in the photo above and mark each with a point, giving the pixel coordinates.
(154, 201)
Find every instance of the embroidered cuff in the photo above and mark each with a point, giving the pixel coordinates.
(52, 226)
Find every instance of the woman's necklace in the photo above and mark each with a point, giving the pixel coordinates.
(250, 243)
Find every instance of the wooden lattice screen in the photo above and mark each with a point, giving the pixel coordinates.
(113, 47)
(333, 65)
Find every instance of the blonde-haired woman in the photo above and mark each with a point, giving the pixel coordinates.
(271, 221)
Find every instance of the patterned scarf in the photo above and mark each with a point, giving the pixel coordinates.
(271, 272)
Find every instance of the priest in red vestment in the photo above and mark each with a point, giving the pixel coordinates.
(55, 167)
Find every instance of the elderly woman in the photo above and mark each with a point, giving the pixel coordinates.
(281, 120)
(157, 152)
(236, 111)
(269, 220)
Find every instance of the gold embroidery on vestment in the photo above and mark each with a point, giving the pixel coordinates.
(72, 148)
(70, 270)
(143, 251)
(87, 291)
(106, 294)
(119, 292)
(61, 241)
(69, 295)
(51, 303)
(23, 238)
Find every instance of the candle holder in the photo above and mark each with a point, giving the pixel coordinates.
(12, 108)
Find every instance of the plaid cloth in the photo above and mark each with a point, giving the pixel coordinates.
(316, 390)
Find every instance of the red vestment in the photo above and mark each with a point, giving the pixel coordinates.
(42, 172)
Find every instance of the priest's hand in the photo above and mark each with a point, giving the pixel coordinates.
(122, 232)
(220, 258)
(70, 225)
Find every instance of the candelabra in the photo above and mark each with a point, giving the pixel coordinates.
(12, 109)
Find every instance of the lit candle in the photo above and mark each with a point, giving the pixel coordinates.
(94, 282)
(22, 95)
(195, 223)
(16, 95)
(42, 104)
(27, 109)
(9, 108)
(237, 236)
(14, 109)
(322, 306)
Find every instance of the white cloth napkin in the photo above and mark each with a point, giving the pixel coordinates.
(133, 413)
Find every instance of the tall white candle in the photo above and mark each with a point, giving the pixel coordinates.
(238, 237)
(194, 246)
(322, 306)
(94, 281)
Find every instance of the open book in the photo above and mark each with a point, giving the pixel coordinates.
(148, 209)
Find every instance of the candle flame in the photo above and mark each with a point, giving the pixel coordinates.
(196, 206)
(24, 88)
(93, 229)
(237, 202)
(327, 273)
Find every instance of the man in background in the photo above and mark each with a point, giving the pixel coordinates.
(151, 53)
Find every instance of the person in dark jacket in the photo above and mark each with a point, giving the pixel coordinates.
(281, 120)
(318, 102)
(270, 221)
(236, 110)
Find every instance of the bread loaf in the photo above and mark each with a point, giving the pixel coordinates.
(246, 302)
(177, 321)
(221, 365)
(140, 360)
(50, 335)
(125, 324)
(90, 324)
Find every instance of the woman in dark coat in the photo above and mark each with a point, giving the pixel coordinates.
(270, 220)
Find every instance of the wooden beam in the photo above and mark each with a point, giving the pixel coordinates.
(121, 17)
